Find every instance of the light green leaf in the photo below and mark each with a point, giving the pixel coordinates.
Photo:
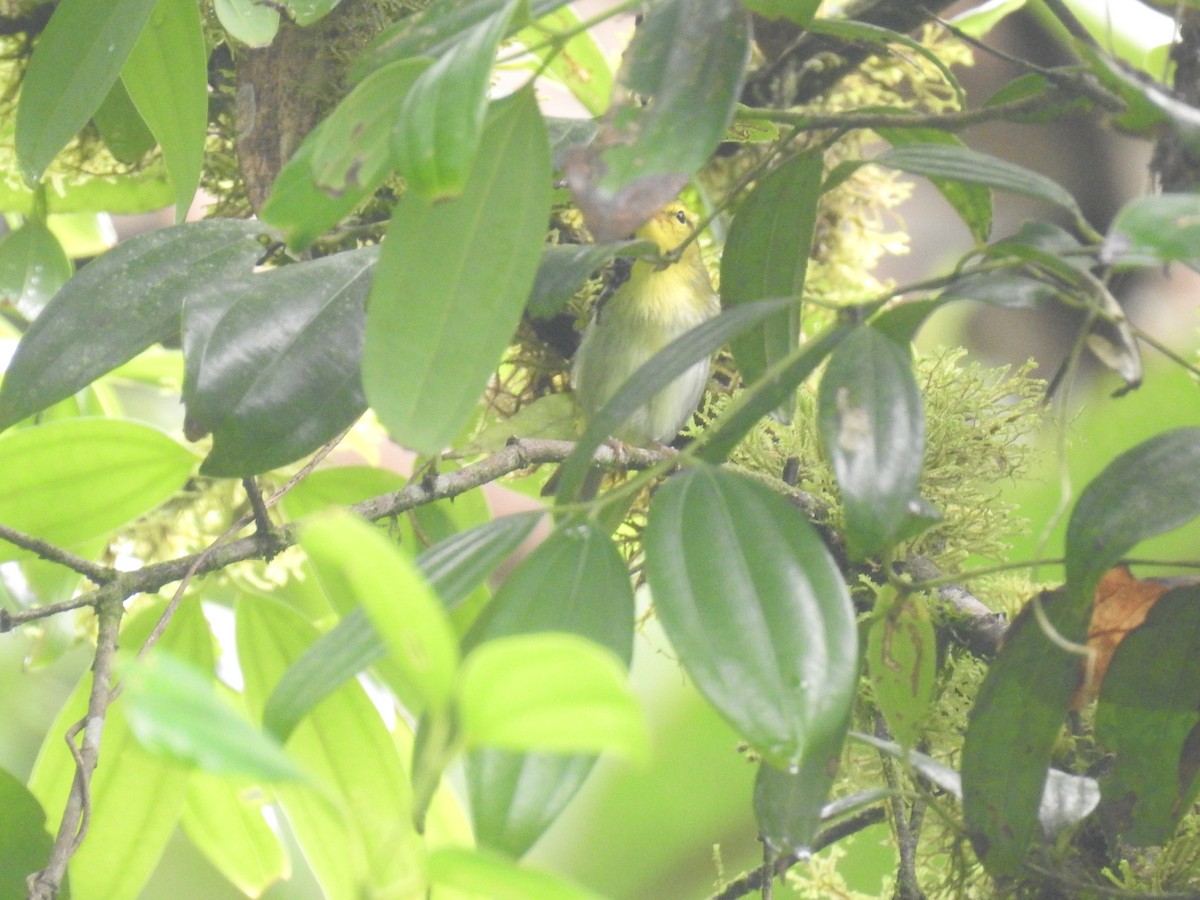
(174, 712)
(74, 64)
(981, 19)
(352, 556)
(305, 12)
(33, 267)
(75, 479)
(1152, 231)
(480, 873)
(120, 124)
(902, 662)
(166, 76)
(339, 486)
(272, 361)
(251, 22)
(799, 11)
(452, 281)
(117, 306)
(441, 123)
(24, 841)
(549, 692)
(578, 63)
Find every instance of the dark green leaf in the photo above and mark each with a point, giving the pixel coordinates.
(565, 267)
(1152, 488)
(452, 282)
(766, 255)
(166, 76)
(33, 266)
(119, 305)
(757, 611)
(662, 368)
(685, 62)
(74, 64)
(441, 122)
(120, 125)
(1152, 231)
(272, 361)
(1148, 715)
(872, 425)
(453, 567)
(575, 582)
(174, 712)
(1016, 719)
(788, 804)
(960, 164)
(24, 841)
(1001, 289)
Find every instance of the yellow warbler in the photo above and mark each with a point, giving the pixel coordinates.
(651, 309)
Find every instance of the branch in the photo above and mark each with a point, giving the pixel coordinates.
(92, 571)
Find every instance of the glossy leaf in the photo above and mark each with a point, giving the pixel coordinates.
(902, 663)
(75, 479)
(306, 12)
(565, 267)
(24, 841)
(75, 62)
(661, 369)
(33, 266)
(1001, 289)
(167, 79)
(1013, 725)
(757, 611)
(454, 567)
(788, 804)
(452, 281)
(685, 62)
(352, 153)
(441, 122)
(120, 125)
(766, 255)
(872, 425)
(961, 164)
(117, 306)
(1147, 717)
(479, 873)
(350, 555)
(272, 361)
(248, 21)
(174, 712)
(136, 798)
(551, 692)
(574, 582)
(1145, 491)
(1156, 230)
(364, 839)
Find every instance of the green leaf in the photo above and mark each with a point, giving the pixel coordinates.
(24, 841)
(977, 22)
(1153, 231)
(174, 712)
(1001, 289)
(549, 692)
(478, 872)
(902, 662)
(1152, 488)
(33, 266)
(272, 361)
(454, 567)
(757, 611)
(350, 555)
(117, 306)
(872, 427)
(565, 267)
(788, 804)
(353, 152)
(574, 582)
(75, 479)
(685, 63)
(1011, 731)
(452, 281)
(74, 64)
(362, 842)
(136, 798)
(1147, 717)
(442, 120)
(578, 63)
(224, 820)
(338, 486)
(166, 76)
(248, 21)
(306, 12)
(799, 11)
(955, 163)
(120, 125)
(660, 370)
(766, 255)
(972, 202)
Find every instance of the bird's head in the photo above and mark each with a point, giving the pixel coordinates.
(669, 227)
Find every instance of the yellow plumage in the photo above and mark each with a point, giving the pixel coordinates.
(647, 312)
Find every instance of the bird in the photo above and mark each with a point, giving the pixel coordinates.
(656, 305)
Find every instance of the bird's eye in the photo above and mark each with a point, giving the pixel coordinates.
(681, 217)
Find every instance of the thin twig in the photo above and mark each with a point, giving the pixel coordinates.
(94, 572)
(262, 519)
